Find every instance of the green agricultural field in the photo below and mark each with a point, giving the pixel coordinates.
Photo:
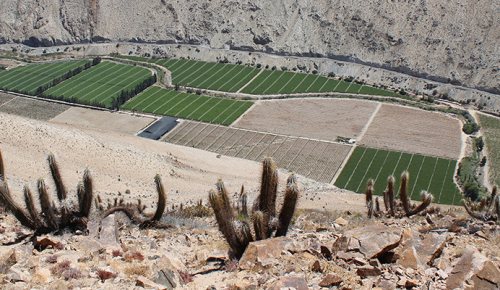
(159, 101)
(28, 78)
(208, 75)
(426, 173)
(100, 85)
(490, 126)
(233, 78)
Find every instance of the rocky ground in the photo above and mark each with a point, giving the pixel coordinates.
(336, 250)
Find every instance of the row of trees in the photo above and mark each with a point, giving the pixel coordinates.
(126, 95)
(67, 75)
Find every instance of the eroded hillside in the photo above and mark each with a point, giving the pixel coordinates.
(442, 40)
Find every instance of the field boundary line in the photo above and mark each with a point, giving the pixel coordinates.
(62, 88)
(160, 98)
(237, 141)
(186, 106)
(250, 81)
(266, 147)
(201, 140)
(15, 97)
(51, 78)
(207, 148)
(209, 79)
(321, 154)
(225, 141)
(301, 82)
(313, 82)
(246, 144)
(194, 72)
(286, 152)
(62, 67)
(367, 169)
(9, 80)
(231, 79)
(383, 165)
(244, 114)
(286, 84)
(144, 99)
(344, 163)
(275, 81)
(397, 164)
(253, 147)
(444, 181)
(298, 153)
(432, 177)
(134, 76)
(173, 132)
(325, 171)
(416, 178)
(368, 123)
(262, 82)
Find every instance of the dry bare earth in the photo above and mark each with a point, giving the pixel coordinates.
(416, 131)
(323, 119)
(30, 108)
(121, 161)
(102, 120)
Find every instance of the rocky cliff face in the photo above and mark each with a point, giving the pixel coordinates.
(448, 41)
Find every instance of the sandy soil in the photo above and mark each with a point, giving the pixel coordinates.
(414, 130)
(120, 161)
(323, 119)
(5, 98)
(102, 120)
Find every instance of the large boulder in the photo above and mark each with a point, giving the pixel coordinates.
(263, 253)
(375, 240)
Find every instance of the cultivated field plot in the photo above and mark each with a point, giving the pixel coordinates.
(413, 130)
(426, 173)
(232, 78)
(490, 126)
(284, 82)
(159, 101)
(322, 119)
(26, 79)
(314, 159)
(100, 84)
(208, 75)
(30, 108)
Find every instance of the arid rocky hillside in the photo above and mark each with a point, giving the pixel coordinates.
(448, 41)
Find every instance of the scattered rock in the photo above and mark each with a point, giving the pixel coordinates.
(366, 271)
(488, 277)
(341, 222)
(330, 280)
(470, 262)
(144, 282)
(376, 240)
(290, 282)
(262, 253)
(7, 259)
(316, 267)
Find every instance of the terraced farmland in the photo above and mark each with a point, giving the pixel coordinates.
(314, 159)
(426, 173)
(233, 78)
(159, 101)
(100, 85)
(28, 78)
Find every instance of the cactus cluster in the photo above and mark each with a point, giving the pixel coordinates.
(267, 222)
(52, 217)
(135, 212)
(392, 207)
(486, 209)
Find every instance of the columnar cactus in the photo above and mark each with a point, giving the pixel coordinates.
(486, 209)
(266, 222)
